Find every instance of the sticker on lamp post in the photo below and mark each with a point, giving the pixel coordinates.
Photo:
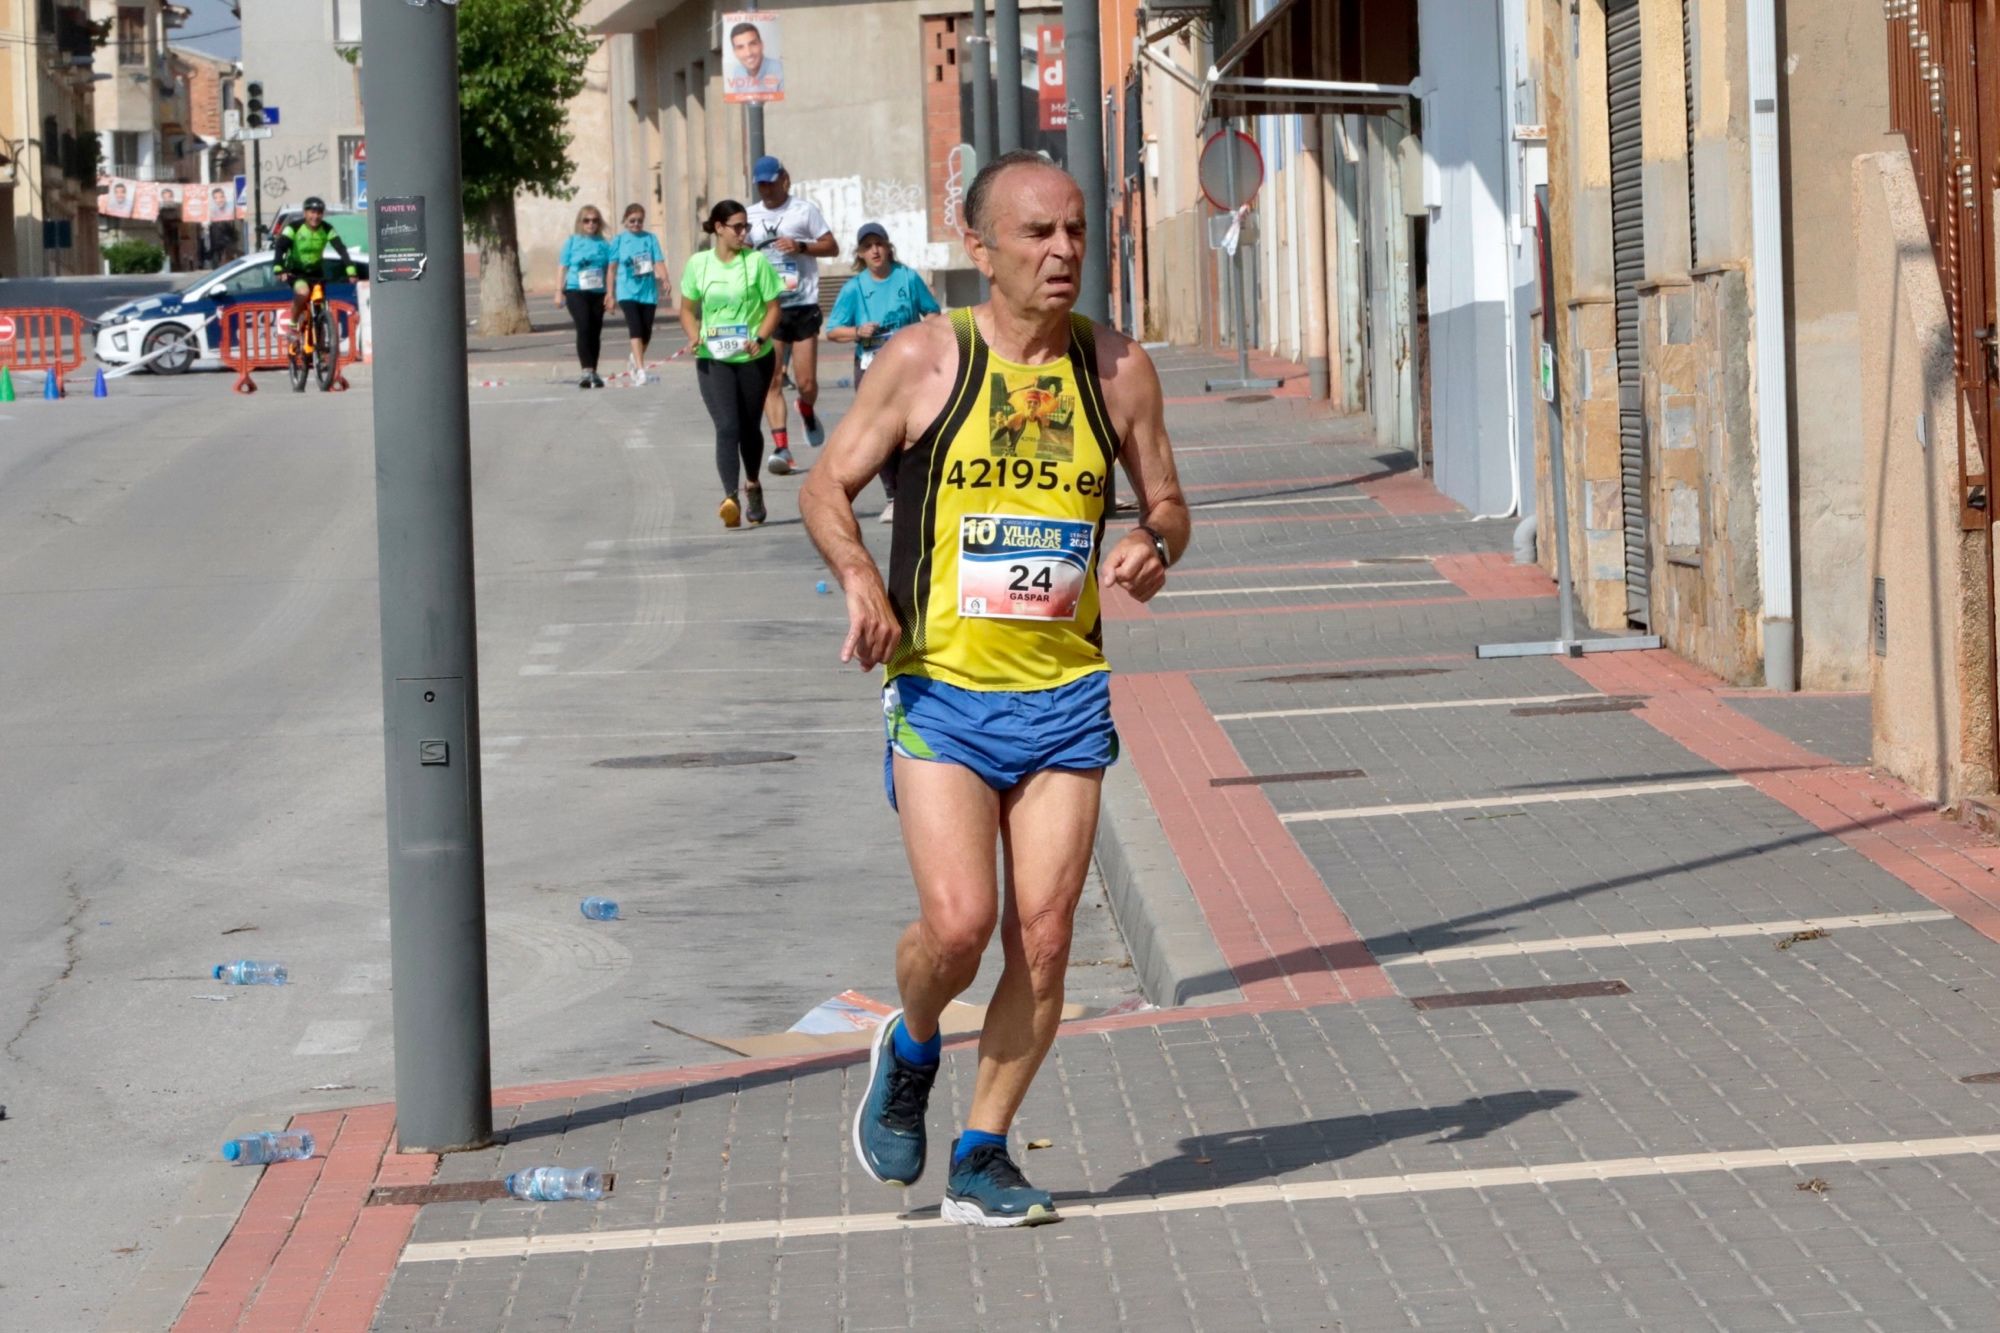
(399, 251)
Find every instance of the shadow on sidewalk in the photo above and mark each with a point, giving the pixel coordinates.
(1472, 927)
(1237, 1157)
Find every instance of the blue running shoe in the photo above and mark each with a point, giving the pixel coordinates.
(889, 1123)
(986, 1189)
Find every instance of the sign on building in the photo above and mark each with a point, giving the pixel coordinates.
(752, 70)
(1051, 94)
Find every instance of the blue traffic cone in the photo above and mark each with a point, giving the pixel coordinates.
(100, 389)
(52, 387)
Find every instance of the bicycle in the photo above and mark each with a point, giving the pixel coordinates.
(313, 353)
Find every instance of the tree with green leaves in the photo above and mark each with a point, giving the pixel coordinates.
(520, 63)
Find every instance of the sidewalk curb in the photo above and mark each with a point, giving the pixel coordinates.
(207, 1213)
(1173, 952)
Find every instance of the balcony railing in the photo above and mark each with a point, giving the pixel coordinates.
(1945, 100)
(149, 171)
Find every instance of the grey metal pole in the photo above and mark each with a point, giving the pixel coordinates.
(753, 120)
(980, 57)
(1083, 78)
(423, 510)
(1007, 48)
(257, 193)
(1238, 304)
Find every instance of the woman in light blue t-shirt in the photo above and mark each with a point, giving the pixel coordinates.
(585, 287)
(641, 265)
(881, 297)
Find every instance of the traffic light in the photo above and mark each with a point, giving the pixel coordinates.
(253, 106)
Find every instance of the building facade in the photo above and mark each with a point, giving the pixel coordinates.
(48, 178)
(1694, 379)
(306, 54)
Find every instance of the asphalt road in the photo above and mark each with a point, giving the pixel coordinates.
(191, 771)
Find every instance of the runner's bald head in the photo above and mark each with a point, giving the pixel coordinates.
(979, 201)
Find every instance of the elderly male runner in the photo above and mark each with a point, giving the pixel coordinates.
(1007, 419)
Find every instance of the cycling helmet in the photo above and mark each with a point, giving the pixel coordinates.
(314, 204)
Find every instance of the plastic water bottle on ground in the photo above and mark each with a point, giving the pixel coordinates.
(599, 909)
(248, 972)
(553, 1184)
(285, 1145)
(822, 588)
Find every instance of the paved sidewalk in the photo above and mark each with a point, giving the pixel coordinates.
(1547, 995)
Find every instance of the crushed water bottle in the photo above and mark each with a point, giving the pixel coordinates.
(599, 909)
(553, 1184)
(285, 1145)
(248, 972)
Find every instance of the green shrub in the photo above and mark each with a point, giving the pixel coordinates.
(130, 256)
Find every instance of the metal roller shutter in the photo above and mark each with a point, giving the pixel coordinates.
(1628, 261)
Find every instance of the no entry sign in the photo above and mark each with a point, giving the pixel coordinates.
(6, 329)
(1231, 184)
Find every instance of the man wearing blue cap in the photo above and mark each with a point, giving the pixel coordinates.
(793, 235)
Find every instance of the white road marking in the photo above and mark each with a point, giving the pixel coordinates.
(1631, 938)
(1300, 500)
(1422, 706)
(601, 544)
(543, 649)
(1298, 587)
(1235, 1196)
(539, 669)
(333, 1036)
(558, 631)
(579, 575)
(501, 742)
(1505, 802)
(590, 562)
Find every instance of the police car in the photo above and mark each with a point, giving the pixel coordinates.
(138, 329)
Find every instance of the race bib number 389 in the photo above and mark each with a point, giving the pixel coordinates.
(1015, 568)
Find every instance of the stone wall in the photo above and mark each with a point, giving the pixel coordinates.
(1930, 673)
(1707, 599)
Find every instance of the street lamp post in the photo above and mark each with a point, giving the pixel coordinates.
(1083, 140)
(423, 507)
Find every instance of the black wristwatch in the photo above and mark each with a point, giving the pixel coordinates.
(1159, 547)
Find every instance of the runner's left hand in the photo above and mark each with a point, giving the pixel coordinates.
(1134, 566)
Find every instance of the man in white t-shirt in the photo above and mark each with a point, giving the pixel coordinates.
(793, 235)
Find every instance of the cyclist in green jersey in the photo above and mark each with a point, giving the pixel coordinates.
(300, 247)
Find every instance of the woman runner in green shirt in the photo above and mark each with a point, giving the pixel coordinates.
(729, 305)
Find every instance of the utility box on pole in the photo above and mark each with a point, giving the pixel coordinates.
(423, 509)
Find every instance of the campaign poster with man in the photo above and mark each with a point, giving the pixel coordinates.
(114, 198)
(145, 201)
(751, 69)
(221, 204)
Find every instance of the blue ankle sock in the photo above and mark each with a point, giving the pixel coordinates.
(913, 1052)
(975, 1138)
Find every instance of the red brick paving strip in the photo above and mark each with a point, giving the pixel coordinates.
(1274, 921)
(1950, 864)
(1493, 576)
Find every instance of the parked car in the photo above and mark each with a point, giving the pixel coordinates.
(140, 328)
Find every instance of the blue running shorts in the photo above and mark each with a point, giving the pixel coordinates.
(1002, 735)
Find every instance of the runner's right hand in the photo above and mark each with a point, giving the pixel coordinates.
(872, 627)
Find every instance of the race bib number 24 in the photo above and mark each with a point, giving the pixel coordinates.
(1015, 568)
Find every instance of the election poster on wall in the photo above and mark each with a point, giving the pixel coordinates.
(753, 69)
(144, 201)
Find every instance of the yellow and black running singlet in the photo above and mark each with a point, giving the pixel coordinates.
(999, 516)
